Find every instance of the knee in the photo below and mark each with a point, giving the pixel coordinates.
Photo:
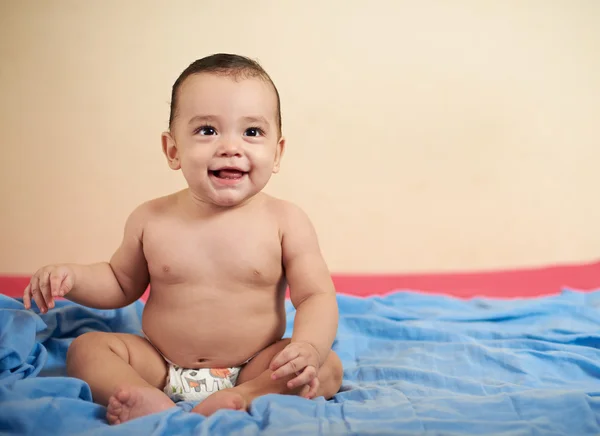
(336, 370)
(83, 348)
(331, 375)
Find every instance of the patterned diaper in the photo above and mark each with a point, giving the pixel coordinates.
(196, 384)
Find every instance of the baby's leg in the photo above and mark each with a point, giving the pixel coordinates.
(125, 373)
(255, 380)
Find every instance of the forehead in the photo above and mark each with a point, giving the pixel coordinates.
(212, 94)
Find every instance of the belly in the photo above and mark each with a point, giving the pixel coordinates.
(208, 328)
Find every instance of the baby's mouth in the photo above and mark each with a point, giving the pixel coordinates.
(228, 173)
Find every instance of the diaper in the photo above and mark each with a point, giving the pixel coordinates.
(190, 384)
(185, 384)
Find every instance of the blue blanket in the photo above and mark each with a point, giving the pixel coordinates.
(414, 364)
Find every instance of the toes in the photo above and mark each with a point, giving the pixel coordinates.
(112, 418)
(115, 410)
(114, 406)
(122, 395)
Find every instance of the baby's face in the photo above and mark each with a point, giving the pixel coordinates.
(226, 137)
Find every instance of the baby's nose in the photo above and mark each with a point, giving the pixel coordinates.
(229, 148)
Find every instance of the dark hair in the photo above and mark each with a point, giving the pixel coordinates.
(224, 64)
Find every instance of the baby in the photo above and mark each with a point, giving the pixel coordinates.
(219, 256)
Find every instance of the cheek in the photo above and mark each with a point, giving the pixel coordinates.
(195, 157)
(194, 165)
(262, 164)
(263, 156)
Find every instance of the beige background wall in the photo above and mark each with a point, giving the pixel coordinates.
(422, 135)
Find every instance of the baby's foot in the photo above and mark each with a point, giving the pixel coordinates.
(225, 399)
(130, 402)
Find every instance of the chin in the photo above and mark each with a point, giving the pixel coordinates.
(230, 201)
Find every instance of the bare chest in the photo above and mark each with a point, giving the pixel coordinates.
(214, 254)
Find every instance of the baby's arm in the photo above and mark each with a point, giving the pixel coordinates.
(105, 285)
(311, 291)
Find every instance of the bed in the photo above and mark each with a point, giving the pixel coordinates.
(499, 352)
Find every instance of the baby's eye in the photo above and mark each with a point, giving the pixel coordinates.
(254, 131)
(205, 131)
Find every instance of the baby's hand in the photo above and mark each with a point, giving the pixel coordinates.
(47, 283)
(302, 359)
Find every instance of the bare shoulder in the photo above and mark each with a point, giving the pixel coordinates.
(297, 233)
(289, 215)
(149, 210)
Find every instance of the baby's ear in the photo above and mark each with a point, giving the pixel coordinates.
(278, 155)
(170, 150)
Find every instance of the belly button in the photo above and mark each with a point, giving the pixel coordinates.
(166, 268)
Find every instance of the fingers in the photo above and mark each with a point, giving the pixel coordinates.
(46, 284)
(292, 367)
(284, 356)
(36, 294)
(305, 377)
(40, 290)
(46, 290)
(27, 297)
(66, 285)
(314, 387)
(55, 283)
